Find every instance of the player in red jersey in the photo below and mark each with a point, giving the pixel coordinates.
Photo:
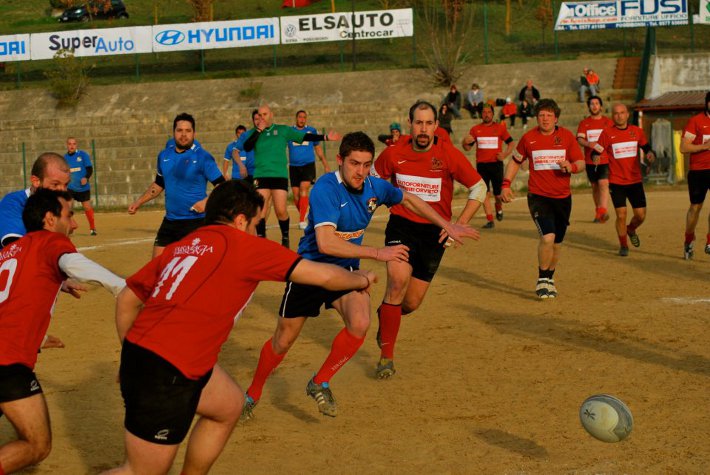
(588, 133)
(425, 166)
(32, 270)
(489, 137)
(554, 155)
(173, 317)
(621, 143)
(696, 142)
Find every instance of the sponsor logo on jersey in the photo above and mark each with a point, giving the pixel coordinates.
(10, 251)
(350, 235)
(436, 164)
(372, 205)
(557, 140)
(195, 248)
(34, 386)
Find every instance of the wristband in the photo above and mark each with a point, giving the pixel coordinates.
(506, 183)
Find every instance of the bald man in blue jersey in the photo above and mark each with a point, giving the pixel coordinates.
(183, 172)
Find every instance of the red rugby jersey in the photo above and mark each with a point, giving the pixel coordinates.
(489, 140)
(622, 148)
(428, 174)
(590, 129)
(545, 152)
(30, 280)
(698, 130)
(196, 289)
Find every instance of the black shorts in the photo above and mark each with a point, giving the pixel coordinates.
(303, 173)
(17, 381)
(551, 215)
(80, 196)
(597, 172)
(425, 251)
(271, 183)
(634, 193)
(698, 185)
(492, 174)
(160, 401)
(172, 230)
(306, 300)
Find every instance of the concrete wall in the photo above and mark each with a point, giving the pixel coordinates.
(679, 72)
(129, 123)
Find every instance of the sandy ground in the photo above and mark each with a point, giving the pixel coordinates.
(489, 379)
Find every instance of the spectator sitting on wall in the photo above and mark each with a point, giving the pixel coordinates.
(509, 111)
(453, 100)
(474, 101)
(589, 81)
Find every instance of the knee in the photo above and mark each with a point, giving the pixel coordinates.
(410, 305)
(283, 342)
(40, 449)
(359, 325)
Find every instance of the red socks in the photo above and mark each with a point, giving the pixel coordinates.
(690, 237)
(268, 361)
(623, 241)
(303, 208)
(390, 320)
(90, 218)
(489, 217)
(344, 347)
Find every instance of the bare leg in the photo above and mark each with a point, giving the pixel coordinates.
(30, 418)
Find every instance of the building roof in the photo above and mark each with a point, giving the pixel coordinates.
(674, 101)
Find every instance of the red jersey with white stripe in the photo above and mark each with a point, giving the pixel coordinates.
(30, 280)
(622, 148)
(545, 153)
(196, 290)
(489, 140)
(590, 129)
(428, 174)
(698, 130)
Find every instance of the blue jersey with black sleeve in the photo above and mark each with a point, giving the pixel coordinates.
(303, 153)
(78, 162)
(186, 175)
(249, 162)
(332, 204)
(229, 155)
(11, 207)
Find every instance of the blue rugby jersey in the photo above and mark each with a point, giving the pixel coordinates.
(78, 162)
(303, 153)
(249, 163)
(11, 208)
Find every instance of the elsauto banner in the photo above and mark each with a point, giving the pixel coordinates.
(99, 42)
(621, 14)
(216, 34)
(14, 48)
(704, 12)
(346, 26)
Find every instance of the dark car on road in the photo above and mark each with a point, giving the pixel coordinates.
(95, 9)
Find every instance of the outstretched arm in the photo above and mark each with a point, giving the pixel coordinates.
(331, 244)
(331, 277)
(152, 192)
(457, 232)
(81, 268)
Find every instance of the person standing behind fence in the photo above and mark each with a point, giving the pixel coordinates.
(622, 143)
(696, 142)
(302, 166)
(79, 188)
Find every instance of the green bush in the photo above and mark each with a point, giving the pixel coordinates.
(68, 78)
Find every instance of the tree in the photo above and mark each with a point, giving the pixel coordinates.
(448, 26)
(202, 9)
(543, 14)
(68, 78)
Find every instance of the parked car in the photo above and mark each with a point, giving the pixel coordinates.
(99, 9)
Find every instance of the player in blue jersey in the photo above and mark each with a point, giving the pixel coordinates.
(235, 157)
(342, 205)
(302, 166)
(81, 170)
(183, 172)
(249, 156)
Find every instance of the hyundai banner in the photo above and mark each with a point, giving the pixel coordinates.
(97, 42)
(346, 26)
(14, 48)
(215, 34)
(594, 15)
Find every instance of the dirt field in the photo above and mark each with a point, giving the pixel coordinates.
(489, 379)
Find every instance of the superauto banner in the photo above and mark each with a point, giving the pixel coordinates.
(346, 26)
(593, 15)
(97, 42)
(14, 48)
(216, 34)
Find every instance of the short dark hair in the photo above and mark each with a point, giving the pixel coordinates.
(488, 106)
(254, 112)
(547, 105)
(300, 112)
(589, 101)
(356, 142)
(39, 203)
(421, 105)
(240, 127)
(39, 167)
(184, 116)
(230, 199)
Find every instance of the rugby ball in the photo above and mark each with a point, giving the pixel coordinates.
(606, 418)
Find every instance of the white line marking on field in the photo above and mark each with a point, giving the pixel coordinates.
(115, 243)
(686, 300)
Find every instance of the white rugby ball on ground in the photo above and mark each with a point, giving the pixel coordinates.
(606, 418)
